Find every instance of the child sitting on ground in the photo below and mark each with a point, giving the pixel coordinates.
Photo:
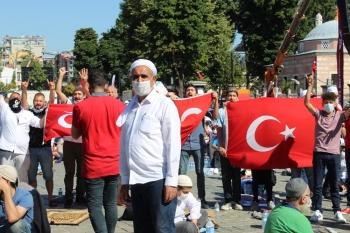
(197, 218)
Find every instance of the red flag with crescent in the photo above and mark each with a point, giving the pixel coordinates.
(192, 111)
(270, 133)
(58, 121)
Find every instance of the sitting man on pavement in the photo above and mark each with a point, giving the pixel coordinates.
(197, 218)
(288, 216)
(16, 204)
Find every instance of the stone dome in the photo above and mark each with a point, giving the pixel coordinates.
(325, 31)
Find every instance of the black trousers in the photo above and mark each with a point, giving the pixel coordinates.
(231, 181)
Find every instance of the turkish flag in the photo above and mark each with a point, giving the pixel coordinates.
(270, 133)
(58, 121)
(192, 111)
(314, 66)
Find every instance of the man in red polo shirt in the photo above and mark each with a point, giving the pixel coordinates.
(95, 120)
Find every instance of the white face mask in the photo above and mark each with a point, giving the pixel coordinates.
(182, 196)
(305, 209)
(214, 131)
(142, 88)
(329, 107)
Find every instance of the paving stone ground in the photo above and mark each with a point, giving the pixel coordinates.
(230, 221)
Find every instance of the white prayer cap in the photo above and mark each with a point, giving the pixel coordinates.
(332, 89)
(184, 180)
(144, 62)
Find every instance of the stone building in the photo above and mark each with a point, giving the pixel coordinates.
(321, 43)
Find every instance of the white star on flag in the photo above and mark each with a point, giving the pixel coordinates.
(288, 133)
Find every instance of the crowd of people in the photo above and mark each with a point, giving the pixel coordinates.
(131, 154)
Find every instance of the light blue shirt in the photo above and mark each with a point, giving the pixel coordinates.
(221, 122)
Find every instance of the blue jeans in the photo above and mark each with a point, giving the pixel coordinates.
(149, 211)
(42, 155)
(198, 157)
(18, 227)
(102, 191)
(320, 161)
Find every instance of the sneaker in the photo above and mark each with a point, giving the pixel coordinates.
(338, 217)
(316, 216)
(204, 204)
(343, 193)
(270, 205)
(216, 171)
(255, 206)
(80, 201)
(227, 206)
(68, 203)
(236, 206)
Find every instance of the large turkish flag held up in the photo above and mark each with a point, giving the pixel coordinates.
(192, 111)
(58, 121)
(270, 133)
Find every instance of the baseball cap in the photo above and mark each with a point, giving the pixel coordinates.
(8, 172)
(295, 187)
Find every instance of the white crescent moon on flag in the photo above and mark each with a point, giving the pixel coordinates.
(62, 122)
(190, 111)
(251, 134)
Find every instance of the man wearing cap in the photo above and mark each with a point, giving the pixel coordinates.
(289, 215)
(15, 125)
(150, 151)
(39, 151)
(94, 120)
(16, 204)
(72, 148)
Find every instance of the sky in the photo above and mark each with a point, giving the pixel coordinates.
(57, 21)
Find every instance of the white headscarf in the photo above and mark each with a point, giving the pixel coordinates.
(144, 62)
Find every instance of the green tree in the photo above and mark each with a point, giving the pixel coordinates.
(68, 90)
(179, 36)
(286, 85)
(37, 76)
(86, 49)
(263, 25)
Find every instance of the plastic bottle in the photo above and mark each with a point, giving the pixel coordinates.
(217, 212)
(210, 226)
(264, 217)
(39, 168)
(60, 192)
(200, 202)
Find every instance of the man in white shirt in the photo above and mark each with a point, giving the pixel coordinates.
(150, 152)
(14, 140)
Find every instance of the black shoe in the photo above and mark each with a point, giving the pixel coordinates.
(204, 204)
(80, 201)
(68, 203)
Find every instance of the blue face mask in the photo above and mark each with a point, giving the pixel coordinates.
(329, 107)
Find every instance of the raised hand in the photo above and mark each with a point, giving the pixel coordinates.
(24, 85)
(84, 74)
(62, 71)
(51, 85)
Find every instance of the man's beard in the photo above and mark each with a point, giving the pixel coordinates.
(305, 209)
